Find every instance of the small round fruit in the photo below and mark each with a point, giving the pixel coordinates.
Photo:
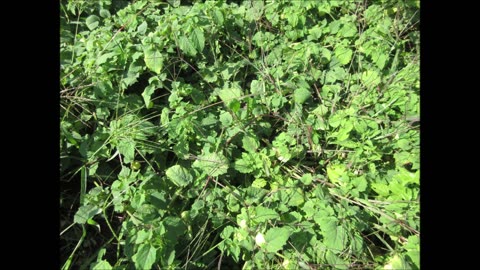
(136, 165)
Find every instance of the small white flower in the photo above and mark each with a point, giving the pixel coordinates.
(243, 224)
(259, 239)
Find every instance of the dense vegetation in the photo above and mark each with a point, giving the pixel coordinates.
(239, 134)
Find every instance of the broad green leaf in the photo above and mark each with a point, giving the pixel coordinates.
(397, 262)
(250, 143)
(413, 250)
(105, 13)
(263, 214)
(348, 30)
(226, 119)
(259, 183)
(102, 59)
(142, 28)
(92, 21)
(147, 94)
(306, 179)
(179, 176)
(344, 55)
(102, 265)
(197, 39)
(309, 208)
(86, 212)
(126, 147)
(229, 94)
(213, 164)
(336, 173)
(301, 95)
(145, 256)
(370, 78)
(153, 59)
(218, 17)
(243, 165)
(356, 244)
(276, 238)
(187, 46)
(335, 238)
(335, 261)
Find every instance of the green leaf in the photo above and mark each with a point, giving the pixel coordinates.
(336, 261)
(92, 21)
(243, 165)
(86, 212)
(142, 28)
(126, 147)
(301, 95)
(336, 173)
(187, 46)
(145, 256)
(259, 183)
(153, 59)
(348, 30)
(344, 55)
(335, 238)
(197, 39)
(179, 175)
(226, 119)
(147, 94)
(249, 143)
(104, 13)
(263, 214)
(218, 17)
(102, 265)
(212, 164)
(276, 238)
(229, 94)
(370, 78)
(306, 179)
(102, 59)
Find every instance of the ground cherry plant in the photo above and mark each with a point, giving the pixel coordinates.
(239, 134)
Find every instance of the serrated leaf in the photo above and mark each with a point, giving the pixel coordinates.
(142, 28)
(213, 164)
(186, 46)
(276, 238)
(370, 78)
(301, 95)
(335, 237)
(259, 183)
(348, 30)
(227, 95)
(335, 172)
(145, 256)
(344, 55)
(198, 40)
(102, 265)
(243, 166)
(86, 212)
(92, 21)
(103, 58)
(153, 59)
(356, 244)
(226, 119)
(179, 176)
(263, 214)
(250, 143)
(126, 147)
(335, 261)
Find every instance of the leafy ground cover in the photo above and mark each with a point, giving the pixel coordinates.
(239, 134)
